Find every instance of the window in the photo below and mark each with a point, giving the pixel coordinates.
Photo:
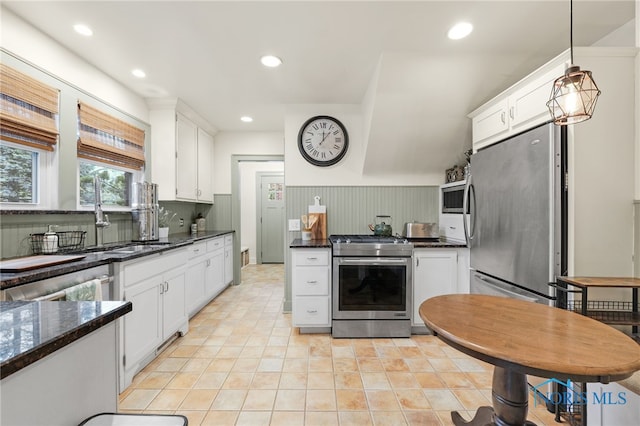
(116, 185)
(113, 151)
(28, 136)
(19, 175)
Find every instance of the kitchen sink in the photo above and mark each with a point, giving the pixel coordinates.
(135, 248)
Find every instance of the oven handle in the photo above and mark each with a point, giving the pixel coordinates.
(376, 261)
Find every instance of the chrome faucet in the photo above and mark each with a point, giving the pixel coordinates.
(102, 219)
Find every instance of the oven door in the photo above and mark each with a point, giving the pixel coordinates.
(371, 288)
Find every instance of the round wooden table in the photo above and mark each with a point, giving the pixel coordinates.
(521, 338)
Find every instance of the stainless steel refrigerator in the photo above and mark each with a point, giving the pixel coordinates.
(517, 231)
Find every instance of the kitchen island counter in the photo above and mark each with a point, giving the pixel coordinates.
(33, 330)
(58, 361)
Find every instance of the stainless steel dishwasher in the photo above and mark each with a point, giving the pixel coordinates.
(55, 288)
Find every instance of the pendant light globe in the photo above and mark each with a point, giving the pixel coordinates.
(574, 94)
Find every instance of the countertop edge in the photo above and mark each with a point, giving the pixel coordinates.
(300, 243)
(29, 357)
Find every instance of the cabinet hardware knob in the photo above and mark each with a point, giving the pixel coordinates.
(312, 258)
(502, 117)
(315, 311)
(312, 282)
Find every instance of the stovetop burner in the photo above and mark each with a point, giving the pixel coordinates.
(370, 245)
(366, 239)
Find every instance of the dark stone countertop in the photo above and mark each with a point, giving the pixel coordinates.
(443, 243)
(299, 243)
(32, 330)
(96, 256)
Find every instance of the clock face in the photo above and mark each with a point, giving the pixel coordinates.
(323, 140)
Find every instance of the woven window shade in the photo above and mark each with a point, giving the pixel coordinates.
(108, 140)
(28, 110)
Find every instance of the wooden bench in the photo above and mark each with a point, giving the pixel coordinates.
(244, 256)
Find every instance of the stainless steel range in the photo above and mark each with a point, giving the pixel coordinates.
(371, 286)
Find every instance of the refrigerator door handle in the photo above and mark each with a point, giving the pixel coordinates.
(496, 287)
(468, 190)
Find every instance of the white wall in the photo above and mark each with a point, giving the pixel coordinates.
(240, 143)
(22, 39)
(248, 188)
(348, 172)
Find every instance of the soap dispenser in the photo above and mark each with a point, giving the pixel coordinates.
(50, 240)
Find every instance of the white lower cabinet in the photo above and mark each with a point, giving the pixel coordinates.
(155, 285)
(435, 272)
(612, 404)
(194, 292)
(214, 283)
(228, 259)
(209, 271)
(311, 288)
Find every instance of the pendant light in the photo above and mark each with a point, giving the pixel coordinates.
(574, 94)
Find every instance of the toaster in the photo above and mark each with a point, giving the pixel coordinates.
(420, 230)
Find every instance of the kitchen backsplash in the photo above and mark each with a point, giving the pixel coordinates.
(351, 208)
(16, 227)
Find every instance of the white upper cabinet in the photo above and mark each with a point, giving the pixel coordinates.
(186, 159)
(181, 152)
(518, 108)
(205, 167)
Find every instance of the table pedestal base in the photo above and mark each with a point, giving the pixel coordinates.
(510, 402)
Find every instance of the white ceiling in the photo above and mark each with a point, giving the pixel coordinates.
(207, 54)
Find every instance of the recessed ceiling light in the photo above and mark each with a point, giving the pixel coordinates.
(460, 30)
(83, 30)
(271, 61)
(246, 119)
(138, 73)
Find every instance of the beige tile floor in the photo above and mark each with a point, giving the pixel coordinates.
(242, 363)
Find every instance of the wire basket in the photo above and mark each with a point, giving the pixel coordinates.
(67, 241)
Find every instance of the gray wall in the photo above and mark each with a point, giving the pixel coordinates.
(351, 208)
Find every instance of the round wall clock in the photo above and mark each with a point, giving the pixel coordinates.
(323, 140)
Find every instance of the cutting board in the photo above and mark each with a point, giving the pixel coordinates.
(319, 229)
(33, 262)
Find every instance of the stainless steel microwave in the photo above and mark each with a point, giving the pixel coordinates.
(452, 197)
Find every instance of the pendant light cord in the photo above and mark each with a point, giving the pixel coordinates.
(571, 30)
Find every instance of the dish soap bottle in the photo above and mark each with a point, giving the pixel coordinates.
(50, 240)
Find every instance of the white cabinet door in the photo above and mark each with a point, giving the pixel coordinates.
(490, 124)
(143, 325)
(173, 310)
(205, 167)
(215, 273)
(194, 286)
(528, 105)
(228, 264)
(186, 159)
(434, 274)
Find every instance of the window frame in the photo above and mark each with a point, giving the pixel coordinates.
(47, 179)
(137, 176)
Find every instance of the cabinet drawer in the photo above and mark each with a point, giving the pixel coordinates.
(311, 257)
(311, 311)
(228, 240)
(215, 244)
(311, 281)
(197, 249)
(154, 265)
